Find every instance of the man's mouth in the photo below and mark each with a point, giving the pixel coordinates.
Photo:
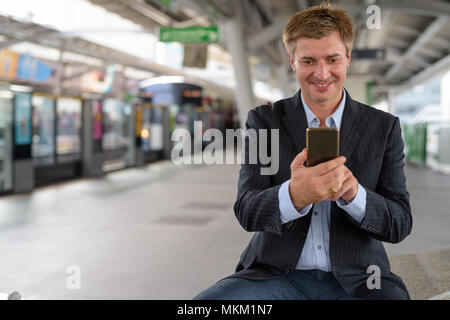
(322, 84)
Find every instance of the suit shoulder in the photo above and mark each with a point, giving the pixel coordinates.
(268, 115)
(374, 113)
(270, 110)
(262, 109)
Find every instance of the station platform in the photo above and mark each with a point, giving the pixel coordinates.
(167, 232)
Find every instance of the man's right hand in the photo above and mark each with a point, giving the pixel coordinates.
(315, 184)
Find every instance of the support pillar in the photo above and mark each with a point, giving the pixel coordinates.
(235, 45)
(58, 88)
(92, 155)
(391, 101)
(445, 97)
(283, 81)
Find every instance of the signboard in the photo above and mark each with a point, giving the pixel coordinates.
(24, 67)
(165, 2)
(172, 5)
(8, 63)
(378, 54)
(189, 35)
(22, 118)
(97, 121)
(33, 69)
(99, 81)
(195, 55)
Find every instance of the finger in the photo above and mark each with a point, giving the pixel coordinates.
(346, 185)
(334, 181)
(328, 190)
(299, 160)
(325, 167)
(335, 177)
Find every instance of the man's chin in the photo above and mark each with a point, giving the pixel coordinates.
(321, 99)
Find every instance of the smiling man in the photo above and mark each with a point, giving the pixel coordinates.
(312, 241)
(321, 66)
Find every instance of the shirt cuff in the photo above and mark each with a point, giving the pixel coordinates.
(357, 208)
(287, 209)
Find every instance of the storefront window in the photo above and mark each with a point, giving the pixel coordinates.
(22, 117)
(68, 137)
(43, 126)
(116, 124)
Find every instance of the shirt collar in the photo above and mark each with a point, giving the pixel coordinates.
(334, 120)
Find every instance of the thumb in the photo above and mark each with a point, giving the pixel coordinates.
(299, 159)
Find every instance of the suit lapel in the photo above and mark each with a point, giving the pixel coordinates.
(294, 122)
(351, 127)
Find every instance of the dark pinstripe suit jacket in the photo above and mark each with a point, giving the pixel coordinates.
(371, 141)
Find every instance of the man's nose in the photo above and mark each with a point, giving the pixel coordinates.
(322, 72)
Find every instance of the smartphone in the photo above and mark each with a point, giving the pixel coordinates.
(322, 145)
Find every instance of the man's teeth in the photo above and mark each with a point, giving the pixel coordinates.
(321, 84)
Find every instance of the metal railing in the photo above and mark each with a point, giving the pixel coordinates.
(415, 139)
(427, 143)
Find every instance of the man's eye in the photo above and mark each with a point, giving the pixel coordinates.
(307, 62)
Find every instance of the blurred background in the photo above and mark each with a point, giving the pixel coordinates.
(91, 205)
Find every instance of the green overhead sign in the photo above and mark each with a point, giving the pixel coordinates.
(167, 3)
(189, 35)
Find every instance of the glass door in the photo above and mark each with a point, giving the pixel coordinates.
(6, 140)
(43, 148)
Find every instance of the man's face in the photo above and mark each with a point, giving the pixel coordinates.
(321, 67)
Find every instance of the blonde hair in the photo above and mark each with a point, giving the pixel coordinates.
(318, 22)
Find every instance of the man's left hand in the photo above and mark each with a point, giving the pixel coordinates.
(349, 188)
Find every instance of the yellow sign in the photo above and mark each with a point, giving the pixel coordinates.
(9, 61)
(138, 121)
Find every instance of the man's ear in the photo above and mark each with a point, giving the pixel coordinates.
(291, 61)
(349, 57)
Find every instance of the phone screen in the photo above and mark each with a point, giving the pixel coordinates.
(322, 145)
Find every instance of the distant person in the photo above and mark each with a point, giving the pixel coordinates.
(228, 118)
(319, 230)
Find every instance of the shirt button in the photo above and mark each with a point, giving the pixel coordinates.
(302, 234)
(316, 213)
(319, 247)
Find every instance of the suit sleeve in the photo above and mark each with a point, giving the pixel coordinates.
(388, 212)
(257, 205)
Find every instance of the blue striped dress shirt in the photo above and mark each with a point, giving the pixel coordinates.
(315, 253)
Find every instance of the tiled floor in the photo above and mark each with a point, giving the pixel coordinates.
(167, 232)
